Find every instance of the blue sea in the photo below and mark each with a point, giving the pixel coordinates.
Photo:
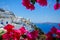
(46, 27)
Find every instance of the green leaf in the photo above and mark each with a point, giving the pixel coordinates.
(0, 37)
(33, 1)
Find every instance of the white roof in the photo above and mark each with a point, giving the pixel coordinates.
(6, 13)
(1, 25)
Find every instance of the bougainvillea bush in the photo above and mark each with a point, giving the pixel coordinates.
(54, 34)
(29, 4)
(17, 34)
(10, 33)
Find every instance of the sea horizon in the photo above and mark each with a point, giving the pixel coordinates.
(46, 27)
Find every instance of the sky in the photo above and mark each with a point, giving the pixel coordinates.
(39, 15)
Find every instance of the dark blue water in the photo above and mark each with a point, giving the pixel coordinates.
(46, 27)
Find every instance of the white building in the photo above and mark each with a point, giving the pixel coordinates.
(7, 17)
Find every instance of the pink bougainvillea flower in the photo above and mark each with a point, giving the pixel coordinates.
(13, 34)
(28, 5)
(9, 27)
(59, 24)
(7, 36)
(53, 30)
(32, 7)
(29, 36)
(56, 6)
(49, 36)
(58, 33)
(33, 35)
(54, 33)
(16, 34)
(23, 30)
(42, 2)
(4, 36)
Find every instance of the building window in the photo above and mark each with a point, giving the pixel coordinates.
(1, 22)
(7, 22)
